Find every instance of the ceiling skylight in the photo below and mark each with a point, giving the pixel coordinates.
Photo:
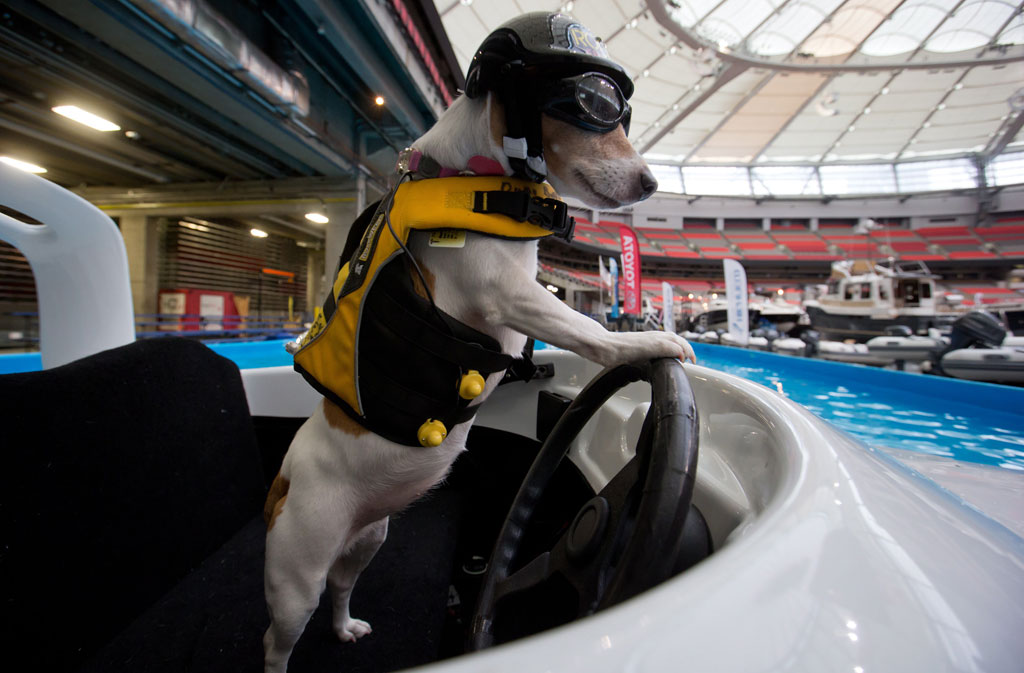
(766, 97)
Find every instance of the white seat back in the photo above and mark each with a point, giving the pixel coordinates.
(80, 266)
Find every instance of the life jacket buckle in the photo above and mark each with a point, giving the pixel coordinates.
(521, 206)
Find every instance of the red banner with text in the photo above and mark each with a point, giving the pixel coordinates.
(630, 271)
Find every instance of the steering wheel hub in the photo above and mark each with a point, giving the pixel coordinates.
(587, 530)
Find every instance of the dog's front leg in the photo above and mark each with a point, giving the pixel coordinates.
(514, 299)
(344, 573)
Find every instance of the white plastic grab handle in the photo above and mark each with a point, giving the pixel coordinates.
(80, 266)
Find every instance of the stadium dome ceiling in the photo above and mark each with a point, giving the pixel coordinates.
(791, 93)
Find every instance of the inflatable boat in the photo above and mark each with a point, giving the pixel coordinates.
(981, 349)
(900, 345)
(648, 517)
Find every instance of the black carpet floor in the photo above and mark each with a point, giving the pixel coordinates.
(213, 622)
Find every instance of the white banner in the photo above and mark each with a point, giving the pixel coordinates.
(736, 298)
(606, 275)
(668, 322)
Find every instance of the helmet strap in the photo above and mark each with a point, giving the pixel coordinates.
(522, 143)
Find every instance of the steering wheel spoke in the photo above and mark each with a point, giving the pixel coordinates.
(627, 537)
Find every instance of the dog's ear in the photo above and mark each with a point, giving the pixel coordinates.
(497, 113)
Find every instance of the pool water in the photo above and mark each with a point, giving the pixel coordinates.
(974, 422)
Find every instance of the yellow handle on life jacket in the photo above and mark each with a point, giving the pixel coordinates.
(432, 433)
(471, 386)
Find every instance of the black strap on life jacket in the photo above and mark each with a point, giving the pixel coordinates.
(550, 214)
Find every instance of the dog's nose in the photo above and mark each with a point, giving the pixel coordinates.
(648, 183)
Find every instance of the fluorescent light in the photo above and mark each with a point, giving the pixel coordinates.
(319, 218)
(258, 233)
(79, 115)
(23, 165)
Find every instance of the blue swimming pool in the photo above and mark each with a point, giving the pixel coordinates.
(975, 422)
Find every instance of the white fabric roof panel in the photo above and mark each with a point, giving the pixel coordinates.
(956, 105)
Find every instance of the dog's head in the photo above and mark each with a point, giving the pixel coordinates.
(562, 110)
(600, 169)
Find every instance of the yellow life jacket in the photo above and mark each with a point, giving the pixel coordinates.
(387, 356)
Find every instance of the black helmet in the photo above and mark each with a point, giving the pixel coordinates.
(542, 62)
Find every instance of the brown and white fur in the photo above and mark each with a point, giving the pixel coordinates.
(328, 509)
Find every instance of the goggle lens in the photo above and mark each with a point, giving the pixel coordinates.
(591, 101)
(600, 99)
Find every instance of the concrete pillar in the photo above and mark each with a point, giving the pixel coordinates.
(766, 224)
(341, 215)
(814, 224)
(141, 240)
(720, 223)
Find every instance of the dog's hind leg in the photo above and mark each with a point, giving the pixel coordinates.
(344, 573)
(298, 557)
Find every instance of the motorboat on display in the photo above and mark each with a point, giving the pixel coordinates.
(765, 312)
(776, 313)
(715, 315)
(864, 299)
(787, 545)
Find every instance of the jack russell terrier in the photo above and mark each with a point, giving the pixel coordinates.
(562, 116)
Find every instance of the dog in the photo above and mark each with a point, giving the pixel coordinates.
(328, 508)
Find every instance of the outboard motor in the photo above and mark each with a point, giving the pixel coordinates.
(976, 328)
(810, 337)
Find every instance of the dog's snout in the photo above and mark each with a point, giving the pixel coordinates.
(648, 183)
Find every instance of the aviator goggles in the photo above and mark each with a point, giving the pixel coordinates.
(591, 101)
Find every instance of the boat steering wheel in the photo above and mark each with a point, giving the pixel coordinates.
(631, 535)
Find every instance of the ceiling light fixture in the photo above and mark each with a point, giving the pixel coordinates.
(317, 217)
(75, 113)
(258, 233)
(22, 165)
(379, 100)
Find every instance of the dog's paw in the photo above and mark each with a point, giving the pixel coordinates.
(350, 630)
(634, 346)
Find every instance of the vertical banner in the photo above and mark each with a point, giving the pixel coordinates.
(614, 271)
(602, 270)
(736, 299)
(668, 321)
(630, 271)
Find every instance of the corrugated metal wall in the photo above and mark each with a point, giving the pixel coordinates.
(17, 296)
(17, 285)
(227, 258)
